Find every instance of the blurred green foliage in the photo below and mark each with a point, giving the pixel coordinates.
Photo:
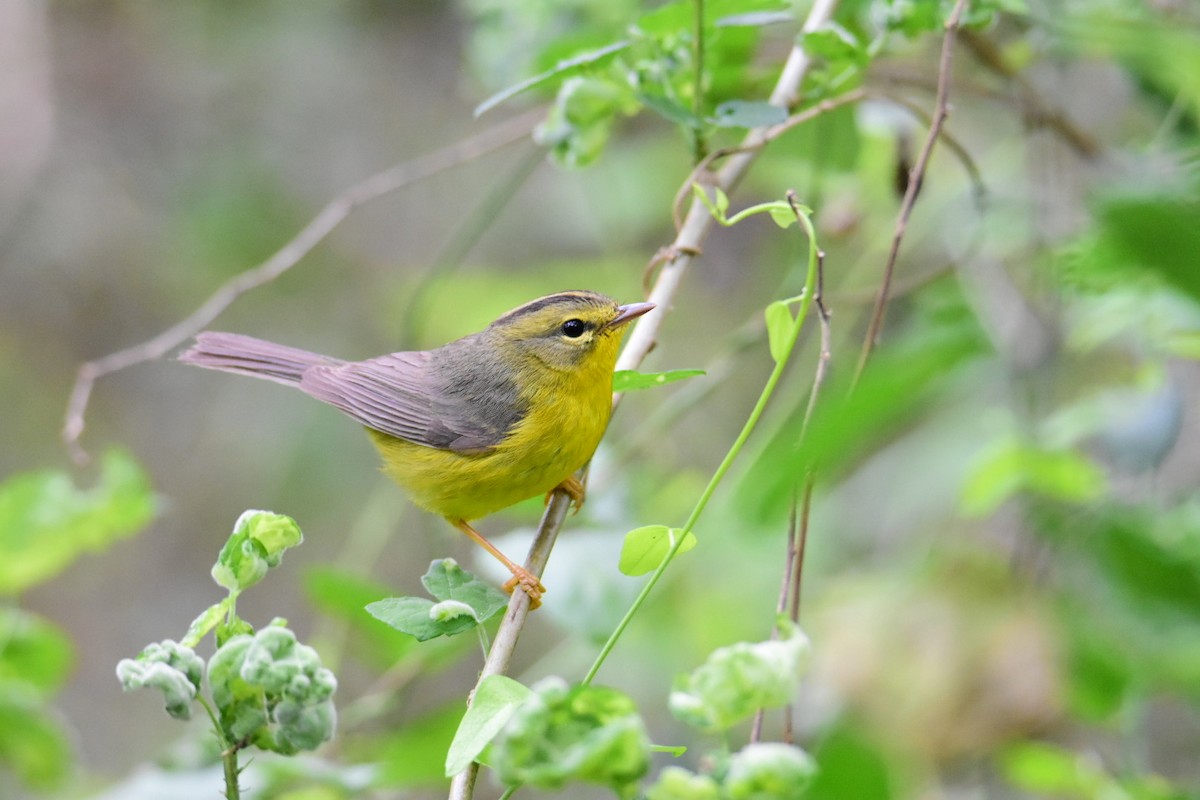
(1002, 576)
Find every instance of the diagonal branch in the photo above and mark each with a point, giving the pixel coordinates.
(915, 179)
(285, 258)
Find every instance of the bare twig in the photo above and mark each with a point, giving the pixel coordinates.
(978, 188)
(285, 258)
(678, 257)
(916, 177)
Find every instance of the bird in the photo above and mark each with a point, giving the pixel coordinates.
(478, 424)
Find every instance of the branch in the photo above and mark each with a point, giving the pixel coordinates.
(641, 341)
(285, 258)
(916, 178)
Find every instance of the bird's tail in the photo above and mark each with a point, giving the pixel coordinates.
(246, 355)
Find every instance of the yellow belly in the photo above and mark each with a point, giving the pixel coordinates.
(553, 440)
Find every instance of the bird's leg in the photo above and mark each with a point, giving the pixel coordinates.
(573, 489)
(521, 576)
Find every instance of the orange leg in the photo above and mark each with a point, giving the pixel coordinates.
(573, 489)
(521, 576)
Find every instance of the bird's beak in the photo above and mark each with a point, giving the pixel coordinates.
(628, 313)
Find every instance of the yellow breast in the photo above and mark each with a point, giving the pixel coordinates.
(567, 416)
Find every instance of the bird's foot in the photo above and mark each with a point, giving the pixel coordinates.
(529, 583)
(573, 489)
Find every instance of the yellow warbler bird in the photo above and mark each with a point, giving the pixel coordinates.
(475, 425)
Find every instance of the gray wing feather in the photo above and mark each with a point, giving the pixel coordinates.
(395, 394)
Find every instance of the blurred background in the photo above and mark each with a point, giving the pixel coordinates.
(1004, 543)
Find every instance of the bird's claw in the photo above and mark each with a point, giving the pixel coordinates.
(529, 584)
(573, 489)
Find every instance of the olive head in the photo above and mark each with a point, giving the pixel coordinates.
(566, 330)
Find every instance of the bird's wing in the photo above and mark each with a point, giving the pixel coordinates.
(397, 395)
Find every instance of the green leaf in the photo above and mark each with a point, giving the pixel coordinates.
(783, 217)
(564, 733)
(670, 18)
(414, 616)
(46, 522)
(851, 766)
(208, 619)
(33, 652)
(738, 680)
(1158, 233)
(780, 327)
(562, 69)
(747, 114)
(628, 380)
(579, 123)
(645, 548)
(1013, 467)
(669, 109)
(721, 200)
(446, 580)
(835, 45)
(464, 601)
(257, 543)
(32, 745)
(1049, 769)
(900, 383)
(496, 698)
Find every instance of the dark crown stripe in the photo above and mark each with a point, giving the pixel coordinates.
(567, 299)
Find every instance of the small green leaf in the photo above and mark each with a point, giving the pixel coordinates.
(493, 705)
(33, 652)
(645, 548)
(782, 216)
(464, 601)
(209, 619)
(628, 380)
(1185, 344)
(46, 521)
(1050, 769)
(415, 616)
(670, 110)
(721, 199)
(747, 114)
(780, 327)
(1011, 467)
(446, 580)
(561, 69)
(33, 746)
(257, 543)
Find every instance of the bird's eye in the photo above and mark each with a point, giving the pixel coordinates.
(574, 328)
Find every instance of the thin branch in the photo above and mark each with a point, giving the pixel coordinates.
(916, 178)
(462, 787)
(641, 341)
(978, 188)
(285, 258)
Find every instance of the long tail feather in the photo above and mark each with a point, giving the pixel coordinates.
(245, 355)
